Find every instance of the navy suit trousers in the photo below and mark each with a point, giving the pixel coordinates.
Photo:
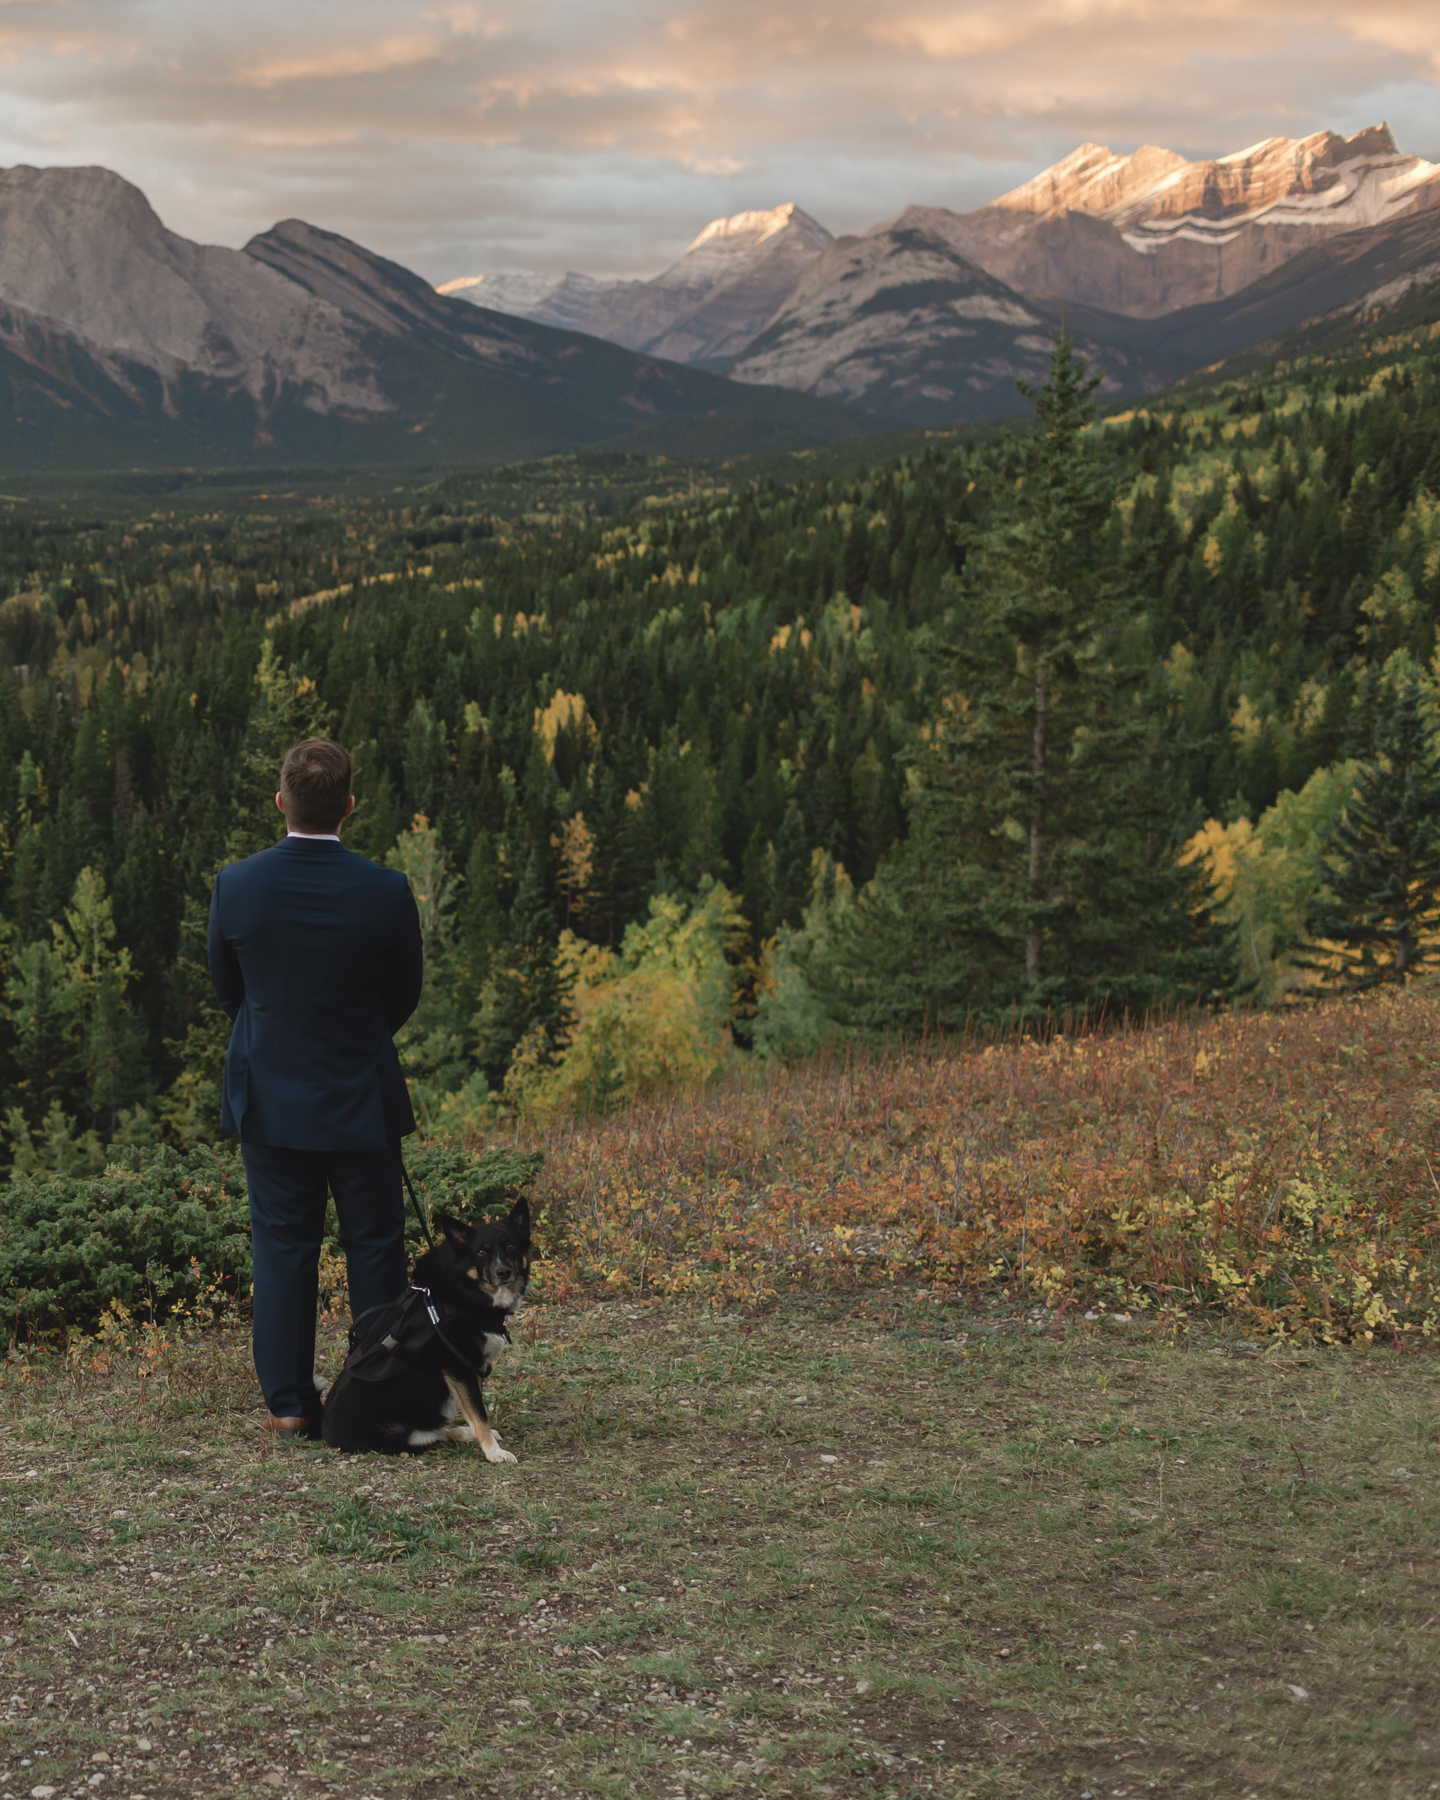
(287, 1219)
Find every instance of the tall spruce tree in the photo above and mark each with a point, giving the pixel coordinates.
(1377, 916)
(1041, 868)
(526, 999)
(285, 709)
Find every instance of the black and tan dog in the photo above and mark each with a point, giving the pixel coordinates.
(417, 1382)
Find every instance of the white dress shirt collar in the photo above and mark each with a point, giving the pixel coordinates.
(328, 837)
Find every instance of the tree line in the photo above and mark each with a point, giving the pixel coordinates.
(874, 752)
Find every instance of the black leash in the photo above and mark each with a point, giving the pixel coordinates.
(415, 1202)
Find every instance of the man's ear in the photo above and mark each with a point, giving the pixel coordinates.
(455, 1230)
(280, 801)
(520, 1214)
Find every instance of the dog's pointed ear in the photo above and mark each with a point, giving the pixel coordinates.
(455, 1230)
(520, 1214)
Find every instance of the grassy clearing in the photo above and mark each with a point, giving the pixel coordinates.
(982, 1555)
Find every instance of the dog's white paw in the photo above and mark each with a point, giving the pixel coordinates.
(494, 1454)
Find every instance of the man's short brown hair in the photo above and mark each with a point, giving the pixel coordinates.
(315, 780)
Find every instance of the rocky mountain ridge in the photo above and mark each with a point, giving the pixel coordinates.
(83, 256)
(901, 321)
(120, 337)
(1150, 233)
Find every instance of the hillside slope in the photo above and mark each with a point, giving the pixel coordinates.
(901, 322)
(1339, 286)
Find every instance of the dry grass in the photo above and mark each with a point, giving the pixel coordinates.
(985, 1556)
(1277, 1168)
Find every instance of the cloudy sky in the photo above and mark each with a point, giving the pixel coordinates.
(466, 135)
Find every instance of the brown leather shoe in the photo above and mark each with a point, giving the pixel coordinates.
(308, 1428)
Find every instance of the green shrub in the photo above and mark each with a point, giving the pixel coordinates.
(157, 1229)
(467, 1185)
(160, 1227)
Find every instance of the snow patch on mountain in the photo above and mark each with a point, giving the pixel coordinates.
(568, 302)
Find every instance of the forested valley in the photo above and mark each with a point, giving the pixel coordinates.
(687, 766)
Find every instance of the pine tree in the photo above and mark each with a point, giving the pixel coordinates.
(286, 709)
(525, 998)
(1377, 917)
(77, 1037)
(432, 1042)
(792, 867)
(1041, 869)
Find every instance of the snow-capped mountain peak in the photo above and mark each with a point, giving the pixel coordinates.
(748, 230)
(1150, 232)
(724, 291)
(1094, 179)
(1152, 195)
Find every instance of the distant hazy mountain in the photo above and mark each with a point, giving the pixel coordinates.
(122, 341)
(569, 302)
(1150, 233)
(720, 295)
(934, 315)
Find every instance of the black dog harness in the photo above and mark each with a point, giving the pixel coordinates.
(397, 1335)
(389, 1346)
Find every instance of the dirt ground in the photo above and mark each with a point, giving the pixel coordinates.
(881, 1548)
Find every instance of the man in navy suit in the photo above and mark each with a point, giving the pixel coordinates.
(315, 954)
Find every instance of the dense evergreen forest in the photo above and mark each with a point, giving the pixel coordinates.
(636, 746)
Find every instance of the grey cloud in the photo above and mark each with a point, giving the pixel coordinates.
(459, 135)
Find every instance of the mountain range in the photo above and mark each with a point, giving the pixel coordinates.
(1157, 264)
(1150, 233)
(123, 342)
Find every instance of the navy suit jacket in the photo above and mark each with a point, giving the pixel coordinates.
(315, 954)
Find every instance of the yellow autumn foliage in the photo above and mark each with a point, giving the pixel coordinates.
(653, 1016)
(1265, 876)
(564, 712)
